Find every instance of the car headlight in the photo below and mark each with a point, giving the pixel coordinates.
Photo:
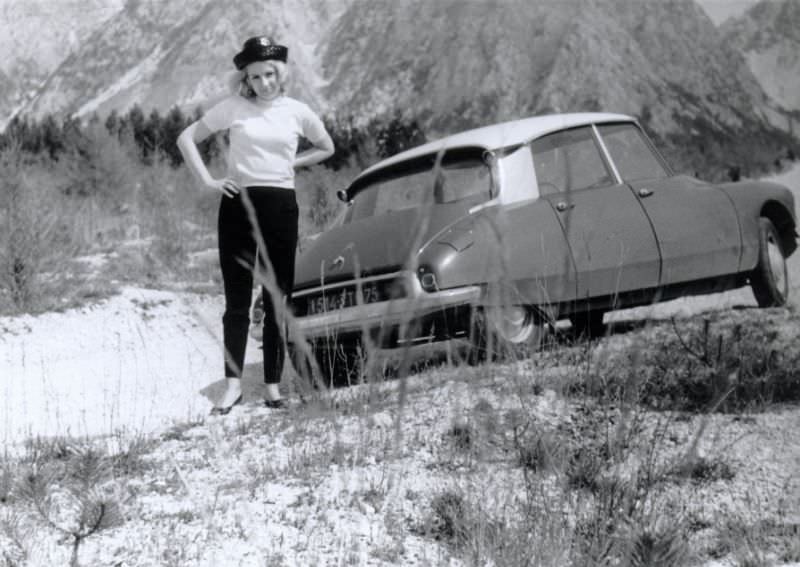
(427, 278)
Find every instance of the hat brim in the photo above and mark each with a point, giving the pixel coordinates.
(260, 53)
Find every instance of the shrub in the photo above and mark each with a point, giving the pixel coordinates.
(655, 546)
(65, 492)
(462, 435)
(30, 239)
(448, 518)
(317, 187)
(703, 469)
(703, 366)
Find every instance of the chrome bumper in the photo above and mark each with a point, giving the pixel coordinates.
(385, 314)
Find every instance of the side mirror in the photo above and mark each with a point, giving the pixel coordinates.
(344, 197)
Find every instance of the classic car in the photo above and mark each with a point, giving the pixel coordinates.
(494, 234)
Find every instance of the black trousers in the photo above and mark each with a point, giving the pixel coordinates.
(277, 215)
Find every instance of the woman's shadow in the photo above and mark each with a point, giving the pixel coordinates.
(253, 388)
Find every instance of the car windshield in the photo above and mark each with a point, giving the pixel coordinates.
(422, 183)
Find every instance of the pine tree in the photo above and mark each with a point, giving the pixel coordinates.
(171, 127)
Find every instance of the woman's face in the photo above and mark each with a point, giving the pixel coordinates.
(263, 79)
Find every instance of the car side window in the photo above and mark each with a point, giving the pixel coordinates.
(630, 152)
(569, 161)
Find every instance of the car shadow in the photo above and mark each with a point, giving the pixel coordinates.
(563, 336)
(626, 326)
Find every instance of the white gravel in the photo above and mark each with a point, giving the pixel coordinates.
(136, 362)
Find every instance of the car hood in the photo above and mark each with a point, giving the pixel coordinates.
(373, 245)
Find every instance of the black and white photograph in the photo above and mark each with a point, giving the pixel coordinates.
(464, 283)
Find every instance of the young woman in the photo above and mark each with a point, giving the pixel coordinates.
(258, 206)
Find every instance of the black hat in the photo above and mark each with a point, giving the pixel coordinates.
(259, 48)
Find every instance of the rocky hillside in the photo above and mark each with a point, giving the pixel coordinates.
(159, 54)
(662, 59)
(768, 35)
(29, 56)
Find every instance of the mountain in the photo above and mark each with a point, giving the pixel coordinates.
(447, 64)
(163, 53)
(478, 62)
(29, 55)
(768, 35)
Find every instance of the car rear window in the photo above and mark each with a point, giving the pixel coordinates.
(422, 183)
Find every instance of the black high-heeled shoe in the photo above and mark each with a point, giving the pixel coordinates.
(280, 403)
(226, 410)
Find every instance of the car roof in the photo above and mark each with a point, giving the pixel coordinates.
(503, 134)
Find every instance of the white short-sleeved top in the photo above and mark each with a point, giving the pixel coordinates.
(263, 138)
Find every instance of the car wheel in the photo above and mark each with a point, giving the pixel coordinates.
(770, 279)
(588, 324)
(505, 333)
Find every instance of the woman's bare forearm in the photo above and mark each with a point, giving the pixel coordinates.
(319, 152)
(191, 155)
(310, 157)
(187, 144)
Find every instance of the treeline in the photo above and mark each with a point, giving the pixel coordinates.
(53, 137)
(698, 148)
(154, 136)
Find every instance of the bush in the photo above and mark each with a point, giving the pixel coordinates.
(703, 365)
(448, 518)
(66, 492)
(30, 237)
(316, 196)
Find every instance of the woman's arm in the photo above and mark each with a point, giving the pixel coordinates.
(188, 140)
(321, 150)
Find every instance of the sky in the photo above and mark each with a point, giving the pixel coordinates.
(721, 10)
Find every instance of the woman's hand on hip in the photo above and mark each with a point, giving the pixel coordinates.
(226, 186)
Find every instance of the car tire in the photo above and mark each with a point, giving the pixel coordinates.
(503, 334)
(770, 278)
(588, 324)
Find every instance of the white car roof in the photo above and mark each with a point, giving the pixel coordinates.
(504, 134)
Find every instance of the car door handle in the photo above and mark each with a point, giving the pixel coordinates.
(645, 192)
(562, 206)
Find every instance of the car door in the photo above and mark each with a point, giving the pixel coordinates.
(610, 237)
(695, 223)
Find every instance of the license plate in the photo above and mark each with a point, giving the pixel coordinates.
(341, 299)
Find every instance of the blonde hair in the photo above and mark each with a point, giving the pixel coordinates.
(239, 85)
